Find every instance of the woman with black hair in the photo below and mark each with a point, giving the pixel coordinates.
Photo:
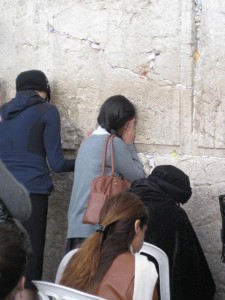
(117, 116)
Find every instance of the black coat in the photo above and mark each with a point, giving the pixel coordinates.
(169, 228)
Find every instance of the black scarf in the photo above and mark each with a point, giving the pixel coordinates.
(165, 182)
(169, 228)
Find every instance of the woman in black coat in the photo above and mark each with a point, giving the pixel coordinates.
(169, 228)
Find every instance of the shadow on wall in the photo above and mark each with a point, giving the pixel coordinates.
(57, 224)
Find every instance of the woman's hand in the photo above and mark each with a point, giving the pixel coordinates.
(129, 132)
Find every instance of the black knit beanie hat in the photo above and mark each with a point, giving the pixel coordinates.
(33, 80)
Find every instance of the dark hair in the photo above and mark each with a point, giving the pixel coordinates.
(13, 258)
(88, 266)
(114, 113)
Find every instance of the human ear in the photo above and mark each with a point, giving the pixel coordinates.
(137, 226)
(21, 283)
(126, 125)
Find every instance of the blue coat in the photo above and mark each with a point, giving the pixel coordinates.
(29, 137)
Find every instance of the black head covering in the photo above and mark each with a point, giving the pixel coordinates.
(165, 181)
(169, 228)
(33, 80)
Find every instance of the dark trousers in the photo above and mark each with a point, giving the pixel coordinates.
(36, 228)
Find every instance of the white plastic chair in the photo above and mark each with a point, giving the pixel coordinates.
(48, 290)
(159, 255)
(163, 263)
(63, 265)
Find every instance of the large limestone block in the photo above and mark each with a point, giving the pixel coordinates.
(209, 102)
(128, 47)
(91, 50)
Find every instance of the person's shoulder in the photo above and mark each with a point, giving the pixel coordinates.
(89, 141)
(50, 106)
(49, 109)
(95, 138)
(118, 142)
(124, 261)
(126, 256)
(43, 106)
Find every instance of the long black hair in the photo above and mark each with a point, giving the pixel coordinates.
(114, 113)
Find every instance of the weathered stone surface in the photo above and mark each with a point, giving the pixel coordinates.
(209, 100)
(57, 224)
(113, 50)
(208, 182)
(166, 56)
(93, 49)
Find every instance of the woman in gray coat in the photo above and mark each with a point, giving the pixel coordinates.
(117, 116)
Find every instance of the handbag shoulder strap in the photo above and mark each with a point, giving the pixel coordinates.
(112, 154)
(109, 138)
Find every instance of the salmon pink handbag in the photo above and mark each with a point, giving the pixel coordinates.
(103, 187)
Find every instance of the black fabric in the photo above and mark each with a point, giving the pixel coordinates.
(36, 228)
(172, 181)
(169, 228)
(4, 214)
(6, 218)
(33, 80)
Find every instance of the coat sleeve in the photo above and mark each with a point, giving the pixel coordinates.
(14, 195)
(52, 142)
(126, 161)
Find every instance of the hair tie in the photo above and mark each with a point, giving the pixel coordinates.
(100, 228)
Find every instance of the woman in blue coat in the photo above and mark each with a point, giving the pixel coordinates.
(30, 143)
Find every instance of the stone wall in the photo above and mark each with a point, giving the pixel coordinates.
(166, 56)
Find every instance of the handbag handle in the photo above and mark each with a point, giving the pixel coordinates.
(108, 139)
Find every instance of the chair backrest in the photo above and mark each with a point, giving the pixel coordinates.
(48, 290)
(63, 264)
(163, 264)
(148, 249)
